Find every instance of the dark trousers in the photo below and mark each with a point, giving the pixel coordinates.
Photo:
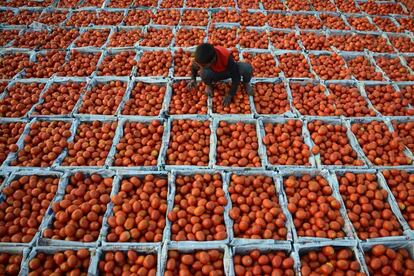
(209, 76)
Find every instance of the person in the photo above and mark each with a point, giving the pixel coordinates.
(216, 64)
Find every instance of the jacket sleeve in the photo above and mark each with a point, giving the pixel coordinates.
(194, 70)
(233, 69)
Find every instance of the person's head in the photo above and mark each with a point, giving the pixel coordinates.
(205, 55)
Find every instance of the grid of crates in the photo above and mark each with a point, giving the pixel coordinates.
(93, 101)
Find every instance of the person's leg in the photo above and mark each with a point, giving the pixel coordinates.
(246, 71)
(208, 76)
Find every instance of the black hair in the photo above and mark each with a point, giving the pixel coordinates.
(204, 53)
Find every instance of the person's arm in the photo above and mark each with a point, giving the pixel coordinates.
(235, 80)
(193, 82)
(194, 70)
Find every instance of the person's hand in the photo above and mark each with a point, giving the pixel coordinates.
(227, 100)
(191, 85)
(209, 91)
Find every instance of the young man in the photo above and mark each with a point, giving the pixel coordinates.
(216, 64)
